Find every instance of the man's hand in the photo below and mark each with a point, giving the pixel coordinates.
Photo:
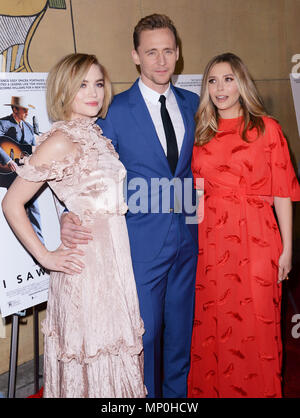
(72, 232)
(12, 165)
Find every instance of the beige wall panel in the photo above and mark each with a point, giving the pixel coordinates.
(53, 39)
(106, 30)
(119, 87)
(251, 29)
(259, 31)
(292, 28)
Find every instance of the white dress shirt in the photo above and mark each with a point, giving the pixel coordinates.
(151, 98)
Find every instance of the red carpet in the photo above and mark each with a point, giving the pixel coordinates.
(291, 346)
(39, 394)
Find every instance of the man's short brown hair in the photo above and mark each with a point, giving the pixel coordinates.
(151, 22)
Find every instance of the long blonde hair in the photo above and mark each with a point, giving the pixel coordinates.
(252, 107)
(64, 81)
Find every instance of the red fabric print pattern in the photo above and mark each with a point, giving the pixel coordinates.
(236, 343)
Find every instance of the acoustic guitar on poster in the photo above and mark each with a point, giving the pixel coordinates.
(14, 150)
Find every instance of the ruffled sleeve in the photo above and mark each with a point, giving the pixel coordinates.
(54, 171)
(284, 181)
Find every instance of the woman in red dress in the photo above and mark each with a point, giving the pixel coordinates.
(243, 157)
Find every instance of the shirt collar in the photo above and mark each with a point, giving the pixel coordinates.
(151, 95)
(19, 123)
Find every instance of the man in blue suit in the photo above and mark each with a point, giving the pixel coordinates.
(154, 137)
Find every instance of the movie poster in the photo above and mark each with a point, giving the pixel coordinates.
(191, 82)
(23, 118)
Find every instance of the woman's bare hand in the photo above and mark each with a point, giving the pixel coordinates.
(63, 260)
(284, 266)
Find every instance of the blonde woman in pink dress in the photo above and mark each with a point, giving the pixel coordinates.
(93, 329)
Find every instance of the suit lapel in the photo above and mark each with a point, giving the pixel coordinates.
(185, 113)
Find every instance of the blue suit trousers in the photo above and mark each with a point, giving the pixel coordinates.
(166, 292)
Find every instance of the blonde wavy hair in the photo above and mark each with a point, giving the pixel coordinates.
(64, 81)
(207, 116)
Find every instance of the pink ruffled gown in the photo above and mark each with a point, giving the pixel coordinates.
(93, 329)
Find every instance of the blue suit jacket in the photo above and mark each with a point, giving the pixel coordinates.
(129, 125)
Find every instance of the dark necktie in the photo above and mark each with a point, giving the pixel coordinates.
(172, 148)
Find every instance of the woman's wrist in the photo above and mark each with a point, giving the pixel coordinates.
(287, 249)
(42, 256)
